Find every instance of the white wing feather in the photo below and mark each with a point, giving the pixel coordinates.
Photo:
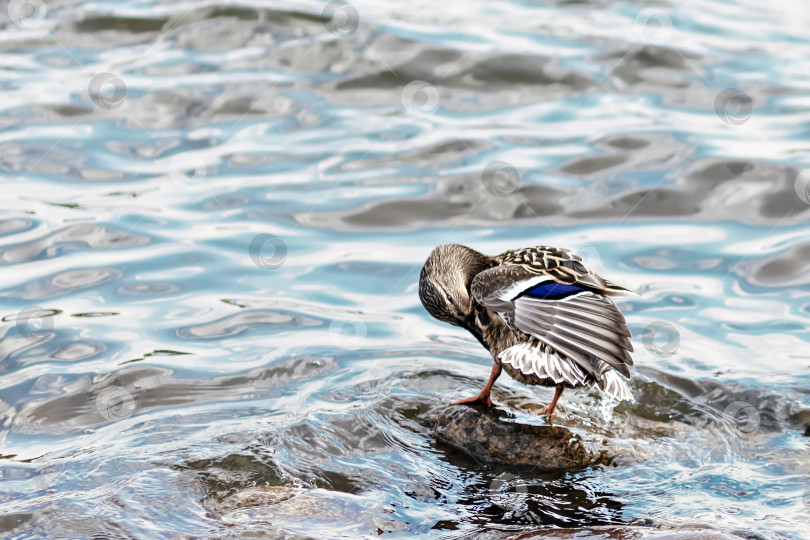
(535, 358)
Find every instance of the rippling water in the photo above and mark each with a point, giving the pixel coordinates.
(214, 215)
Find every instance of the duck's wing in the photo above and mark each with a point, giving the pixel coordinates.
(561, 265)
(549, 294)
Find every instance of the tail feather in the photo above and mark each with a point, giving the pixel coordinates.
(613, 385)
(611, 289)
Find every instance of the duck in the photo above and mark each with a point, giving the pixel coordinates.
(545, 318)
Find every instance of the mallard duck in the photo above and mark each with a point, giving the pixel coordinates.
(545, 318)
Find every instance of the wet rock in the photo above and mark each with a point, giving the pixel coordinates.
(491, 435)
(280, 511)
(803, 417)
(610, 533)
(256, 496)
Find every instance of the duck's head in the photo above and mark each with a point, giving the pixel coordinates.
(444, 284)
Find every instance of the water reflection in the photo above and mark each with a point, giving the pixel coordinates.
(161, 377)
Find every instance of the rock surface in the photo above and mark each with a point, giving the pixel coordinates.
(278, 512)
(256, 496)
(803, 417)
(491, 435)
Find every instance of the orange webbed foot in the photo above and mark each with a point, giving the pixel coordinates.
(480, 399)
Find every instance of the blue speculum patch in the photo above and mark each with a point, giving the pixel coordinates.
(551, 290)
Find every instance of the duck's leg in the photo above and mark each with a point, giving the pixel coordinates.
(549, 410)
(483, 398)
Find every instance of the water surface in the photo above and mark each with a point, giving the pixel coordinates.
(213, 217)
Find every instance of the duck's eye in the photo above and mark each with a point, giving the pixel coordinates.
(449, 298)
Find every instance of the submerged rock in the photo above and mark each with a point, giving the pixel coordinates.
(256, 496)
(297, 511)
(491, 435)
(803, 417)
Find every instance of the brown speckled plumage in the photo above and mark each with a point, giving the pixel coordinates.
(545, 318)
